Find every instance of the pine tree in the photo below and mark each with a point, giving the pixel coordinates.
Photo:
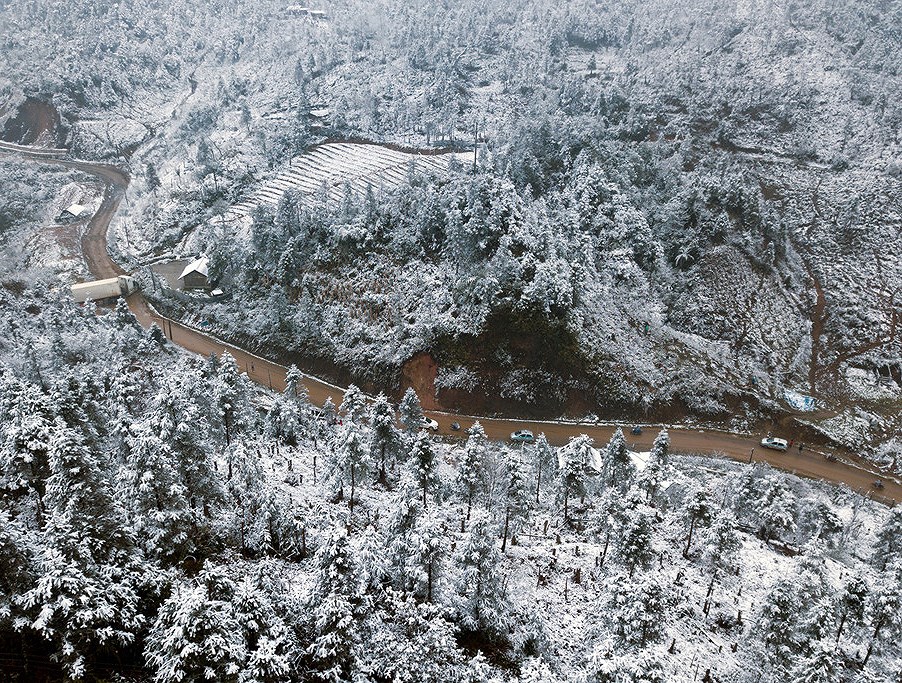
(776, 509)
(411, 412)
(354, 405)
(889, 539)
(823, 665)
(422, 460)
(618, 468)
(385, 440)
(635, 541)
(230, 394)
(351, 459)
(333, 604)
(517, 495)
(658, 464)
(150, 485)
(544, 458)
(698, 511)
(722, 542)
(851, 603)
(637, 609)
(573, 469)
(884, 607)
(483, 607)
(777, 624)
(469, 471)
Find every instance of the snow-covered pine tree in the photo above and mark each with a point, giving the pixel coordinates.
(722, 542)
(353, 406)
(422, 461)
(544, 458)
(658, 464)
(333, 603)
(573, 461)
(410, 412)
(151, 487)
(483, 607)
(637, 609)
(470, 467)
(618, 469)
(385, 441)
(517, 495)
(634, 545)
(698, 511)
(888, 546)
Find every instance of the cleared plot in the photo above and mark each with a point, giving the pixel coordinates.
(335, 163)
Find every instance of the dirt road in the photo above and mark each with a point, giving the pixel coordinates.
(692, 441)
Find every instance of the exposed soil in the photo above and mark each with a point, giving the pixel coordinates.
(35, 123)
(420, 372)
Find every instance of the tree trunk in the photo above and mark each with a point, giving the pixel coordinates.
(689, 540)
(877, 628)
(351, 502)
(507, 516)
(842, 623)
(538, 482)
(604, 552)
(382, 478)
(429, 582)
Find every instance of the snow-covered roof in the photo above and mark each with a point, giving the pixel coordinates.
(76, 210)
(197, 266)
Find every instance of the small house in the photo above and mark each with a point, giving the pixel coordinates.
(195, 275)
(73, 212)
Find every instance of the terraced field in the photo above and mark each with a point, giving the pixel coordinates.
(335, 163)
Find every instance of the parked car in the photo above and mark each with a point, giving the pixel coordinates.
(878, 484)
(637, 430)
(523, 435)
(429, 423)
(774, 443)
(455, 426)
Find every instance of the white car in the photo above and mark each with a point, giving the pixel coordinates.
(522, 435)
(429, 423)
(774, 443)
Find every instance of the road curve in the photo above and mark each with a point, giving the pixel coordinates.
(808, 463)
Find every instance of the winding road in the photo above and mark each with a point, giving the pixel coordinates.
(849, 469)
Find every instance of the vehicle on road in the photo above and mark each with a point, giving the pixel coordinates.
(878, 484)
(455, 426)
(774, 443)
(429, 423)
(523, 436)
(636, 431)
(104, 289)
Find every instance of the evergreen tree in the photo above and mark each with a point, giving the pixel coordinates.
(884, 607)
(351, 459)
(722, 542)
(637, 609)
(470, 468)
(483, 607)
(698, 511)
(385, 440)
(635, 541)
(618, 469)
(823, 665)
(777, 624)
(422, 460)
(851, 603)
(230, 395)
(889, 539)
(411, 412)
(658, 464)
(156, 498)
(354, 405)
(573, 462)
(544, 458)
(516, 496)
(333, 604)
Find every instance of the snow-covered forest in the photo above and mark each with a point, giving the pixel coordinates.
(677, 211)
(162, 517)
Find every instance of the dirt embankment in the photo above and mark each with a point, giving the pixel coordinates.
(35, 123)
